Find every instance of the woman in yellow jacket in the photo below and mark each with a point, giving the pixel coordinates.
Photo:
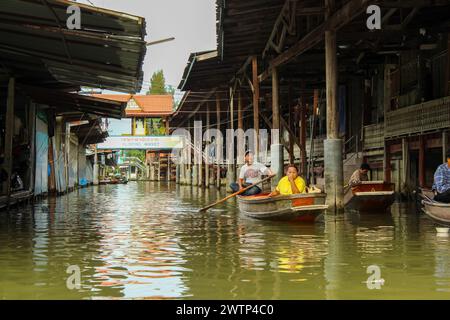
(292, 183)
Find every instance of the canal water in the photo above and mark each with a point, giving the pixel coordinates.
(147, 241)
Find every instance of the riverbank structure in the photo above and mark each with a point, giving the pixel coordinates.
(341, 88)
(47, 122)
(149, 116)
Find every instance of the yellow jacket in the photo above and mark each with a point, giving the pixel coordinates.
(284, 186)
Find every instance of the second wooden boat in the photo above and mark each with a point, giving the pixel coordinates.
(300, 207)
(370, 196)
(439, 212)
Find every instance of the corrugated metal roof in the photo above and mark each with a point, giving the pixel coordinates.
(64, 101)
(36, 45)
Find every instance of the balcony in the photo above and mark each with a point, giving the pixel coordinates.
(373, 137)
(425, 117)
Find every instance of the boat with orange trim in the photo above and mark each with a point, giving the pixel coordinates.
(304, 207)
(370, 196)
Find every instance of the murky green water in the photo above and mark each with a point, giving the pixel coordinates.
(146, 241)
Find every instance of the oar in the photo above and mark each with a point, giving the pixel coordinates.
(234, 194)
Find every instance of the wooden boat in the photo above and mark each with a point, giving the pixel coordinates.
(439, 212)
(370, 196)
(300, 207)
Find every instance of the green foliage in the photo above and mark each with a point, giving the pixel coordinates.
(140, 154)
(158, 83)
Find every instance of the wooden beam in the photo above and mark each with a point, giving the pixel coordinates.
(331, 80)
(303, 167)
(340, 18)
(240, 147)
(255, 102)
(275, 102)
(291, 115)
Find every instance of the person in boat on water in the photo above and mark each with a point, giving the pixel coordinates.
(290, 184)
(359, 175)
(250, 173)
(441, 185)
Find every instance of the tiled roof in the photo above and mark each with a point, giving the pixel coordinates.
(150, 105)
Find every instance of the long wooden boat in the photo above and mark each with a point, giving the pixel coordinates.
(305, 207)
(439, 212)
(370, 196)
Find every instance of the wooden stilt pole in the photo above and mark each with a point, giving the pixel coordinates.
(422, 161)
(276, 149)
(291, 115)
(231, 168)
(208, 139)
(405, 164)
(241, 137)
(334, 175)
(256, 93)
(444, 146)
(9, 131)
(387, 163)
(219, 144)
(303, 132)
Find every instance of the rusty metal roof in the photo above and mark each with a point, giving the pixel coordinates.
(69, 102)
(36, 46)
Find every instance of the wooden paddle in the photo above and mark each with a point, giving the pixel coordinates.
(234, 194)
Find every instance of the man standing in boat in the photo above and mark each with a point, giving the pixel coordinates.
(250, 173)
(359, 175)
(441, 184)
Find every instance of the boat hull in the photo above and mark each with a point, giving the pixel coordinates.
(300, 208)
(437, 211)
(370, 196)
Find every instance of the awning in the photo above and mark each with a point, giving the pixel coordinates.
(68, 102)
(91, 133)
(37, 47)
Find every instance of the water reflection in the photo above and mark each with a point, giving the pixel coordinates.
(148, 241)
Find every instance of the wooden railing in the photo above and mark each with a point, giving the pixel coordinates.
(428, 116)
(373, 136)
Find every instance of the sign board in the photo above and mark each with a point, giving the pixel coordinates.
(141, 143)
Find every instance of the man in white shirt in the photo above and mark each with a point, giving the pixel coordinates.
(250, 173)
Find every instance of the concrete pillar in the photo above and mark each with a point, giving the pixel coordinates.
(276, 149)
(334, 175)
